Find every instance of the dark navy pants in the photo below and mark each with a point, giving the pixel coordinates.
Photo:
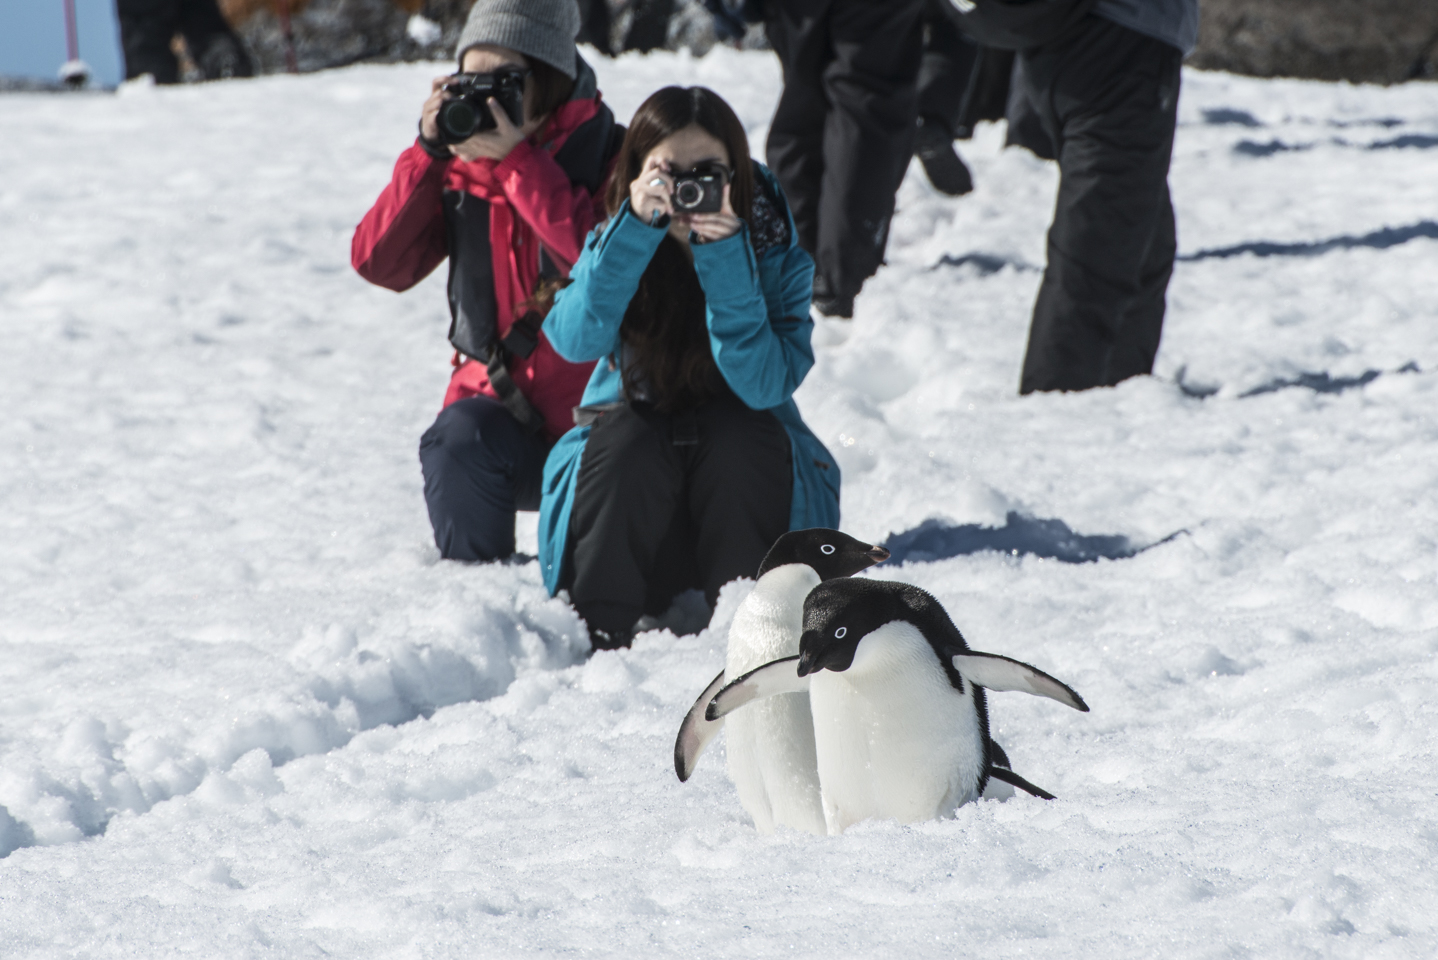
(480, 466)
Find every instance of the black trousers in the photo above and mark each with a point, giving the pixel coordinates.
(843, 133)
(1106, 98)
(649, 30)
(480, 466)
(655, 515)
(148, 26)
(945, 70)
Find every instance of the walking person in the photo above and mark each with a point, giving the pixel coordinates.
(1101, 97)
(844, 130)
(944, 79)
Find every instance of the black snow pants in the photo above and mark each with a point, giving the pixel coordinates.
(148, 26)
(668, 502)
(1106, 97)
(844, 130)
(945, 70)
(480, 466)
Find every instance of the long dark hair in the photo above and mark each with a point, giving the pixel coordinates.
(664, 325)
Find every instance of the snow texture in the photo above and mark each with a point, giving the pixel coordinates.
(247, 712)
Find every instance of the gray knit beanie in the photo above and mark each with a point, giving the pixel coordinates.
(542, 29)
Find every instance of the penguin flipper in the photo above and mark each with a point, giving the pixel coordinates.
(994, 672)
(696, 732)
(774, 677)
(1000, 759)
(1014, 780)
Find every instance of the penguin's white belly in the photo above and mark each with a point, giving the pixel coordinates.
(894, 739)
(770, 744)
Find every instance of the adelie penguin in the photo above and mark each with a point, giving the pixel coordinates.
(901, 726)
(770, 747)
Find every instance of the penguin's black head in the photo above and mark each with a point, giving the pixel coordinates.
(831, 553)
(840, 613)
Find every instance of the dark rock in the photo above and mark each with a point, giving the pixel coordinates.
(333, 33)
(1363, 41)
(329, 33)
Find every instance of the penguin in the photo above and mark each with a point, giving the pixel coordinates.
(770, 747)
(901, 727)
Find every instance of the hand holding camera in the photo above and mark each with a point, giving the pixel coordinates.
(476, 114)
(697, 199)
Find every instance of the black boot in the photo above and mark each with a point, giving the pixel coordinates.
(935, 148)
(830, 303)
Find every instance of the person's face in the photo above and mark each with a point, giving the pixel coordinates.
(684, 150)
(487, 58)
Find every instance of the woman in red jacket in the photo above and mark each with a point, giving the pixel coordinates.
(510, 207)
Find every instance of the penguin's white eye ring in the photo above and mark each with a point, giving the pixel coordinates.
(827, 549)
(839, 633)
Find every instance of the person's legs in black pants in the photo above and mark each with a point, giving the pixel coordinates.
(871, 86)
(594, 25)
(146, 29)
(944, 74)
(216, 49)
(480, 466)
(649, 30)
(652, 518)
(851, 65)
(630, 486)
(1142, 324)
(797, 30)
(741, 481)
(1107, 97)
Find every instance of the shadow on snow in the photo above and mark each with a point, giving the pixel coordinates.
(1377, 240)
(984, 264)
(935, 539)
(1321, 382)
(1409, 141)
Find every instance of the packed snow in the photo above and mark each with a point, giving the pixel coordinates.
(248, 712)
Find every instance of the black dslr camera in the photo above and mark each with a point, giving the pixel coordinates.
(701, 190)
(467, 111)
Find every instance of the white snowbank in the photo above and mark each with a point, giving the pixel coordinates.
(234, 668)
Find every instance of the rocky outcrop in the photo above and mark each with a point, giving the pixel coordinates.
(1364, 41)
(331, 33)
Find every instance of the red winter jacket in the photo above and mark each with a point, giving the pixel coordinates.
(402, 239)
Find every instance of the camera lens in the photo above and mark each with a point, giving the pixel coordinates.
(687, 194)
(458, 118)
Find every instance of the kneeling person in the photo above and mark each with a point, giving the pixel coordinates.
(510, 207)
(691, 458)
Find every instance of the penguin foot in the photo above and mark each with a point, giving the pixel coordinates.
(1013, 779)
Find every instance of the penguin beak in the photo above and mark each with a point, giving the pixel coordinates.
(806, 652)
(877, 554)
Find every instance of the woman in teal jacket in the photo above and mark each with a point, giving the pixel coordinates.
(689, 456)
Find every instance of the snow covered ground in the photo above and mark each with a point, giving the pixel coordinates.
(246, 712)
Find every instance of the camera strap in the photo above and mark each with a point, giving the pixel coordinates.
(508, 393)
(523, 335)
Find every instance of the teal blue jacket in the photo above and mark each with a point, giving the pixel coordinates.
(757, 310)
